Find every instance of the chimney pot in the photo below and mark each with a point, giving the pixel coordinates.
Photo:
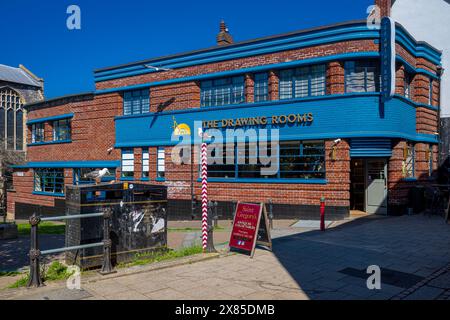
(224, 37)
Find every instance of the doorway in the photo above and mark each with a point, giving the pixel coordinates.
(368, 188)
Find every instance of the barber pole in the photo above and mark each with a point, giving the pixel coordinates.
(204, 161)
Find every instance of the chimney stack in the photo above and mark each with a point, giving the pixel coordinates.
(224, 37)
(385, 7)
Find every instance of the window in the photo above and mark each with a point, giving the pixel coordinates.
(221, 92)
(136, 102)
(430, 93)
(11, 120)
(81, 175)
(296, 160)
(408, 161)
(303, 82)
(61, 130)
(145, 164)
(161, 164)
(362, 76)
(49, 181)
(127, 163)
(37, 132)
(261, 87)
(407, 86)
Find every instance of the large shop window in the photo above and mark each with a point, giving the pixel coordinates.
(61, 130)
(261, 87)
(409, 155)
(161, 164)
(136, 102)
(37, 132)
(362, 76)
(49, 181)
(85, 175)
(303, 82)
(294, 160)
(223, 91)
(127, 163)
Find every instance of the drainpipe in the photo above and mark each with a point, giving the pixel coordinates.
(440, 72)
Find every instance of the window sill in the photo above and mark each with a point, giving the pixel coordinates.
(50, 194)
(145, 179)
(127, 179)
(262, 180)
(48, 142)
(160, 179)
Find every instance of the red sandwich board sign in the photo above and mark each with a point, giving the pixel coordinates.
(250, 227)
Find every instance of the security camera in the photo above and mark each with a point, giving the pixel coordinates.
(337, 141)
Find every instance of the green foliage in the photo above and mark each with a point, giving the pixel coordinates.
(142, 259)
(8, 273)
(45, 227)
(56, 271)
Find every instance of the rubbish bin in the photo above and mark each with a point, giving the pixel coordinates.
(138, 223)
(417, 199)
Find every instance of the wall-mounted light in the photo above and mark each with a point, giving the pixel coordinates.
(334, 149)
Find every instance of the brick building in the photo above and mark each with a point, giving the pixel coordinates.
(321, 88)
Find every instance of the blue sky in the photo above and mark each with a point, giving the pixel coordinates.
(115, 32)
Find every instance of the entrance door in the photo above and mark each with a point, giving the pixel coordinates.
(376, 188)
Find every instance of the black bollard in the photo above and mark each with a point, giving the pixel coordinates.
(271, 213)
(35, 270)
(107, 243)
(216, 215)
(210, 243)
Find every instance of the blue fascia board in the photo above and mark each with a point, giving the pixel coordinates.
(418, 49)
(33, 144)
(127, 179)
(411, 69)
(70, 164)
(266, 180)
(50, 194)
(416, 104)
(257, 69)
(53, 118)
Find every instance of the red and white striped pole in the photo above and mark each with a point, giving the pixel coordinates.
(204, 160)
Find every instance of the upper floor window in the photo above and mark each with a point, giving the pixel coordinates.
(127, 163)
(409, 155)
(407, 85)
(37, 132)
(303, 82)
(223, 91)
(136, 102)
(11, 120)
(49, 180)
(261, 87)
(362, 76)
(61, 130)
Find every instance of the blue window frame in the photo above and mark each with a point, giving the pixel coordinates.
(362, 76)
(61, 130)
(136, 102)
(221, 92)
(261, 87)
(303, 82)
(37, 132)
(49, 181)
(296, 160)
(161, 164)
(80, 175)
(127, 163)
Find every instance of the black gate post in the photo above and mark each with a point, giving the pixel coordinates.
(271, 213)
(107, 243)
(210, 243)
(35, 270)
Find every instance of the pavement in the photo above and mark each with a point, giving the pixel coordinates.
(412, 252)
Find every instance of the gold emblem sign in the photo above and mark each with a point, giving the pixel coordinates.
(181, 129)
